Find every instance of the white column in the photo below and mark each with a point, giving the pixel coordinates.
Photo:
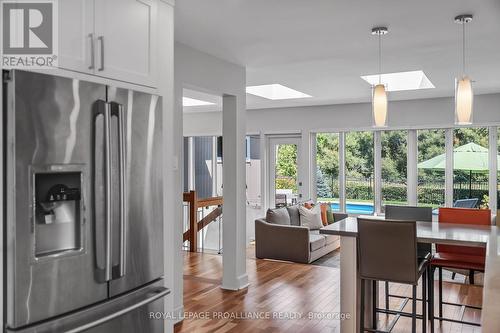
(377, 165)
(234, 211)
(448, 194)
(342, 172)
(172, 161)
(412, 160)
(493, 166)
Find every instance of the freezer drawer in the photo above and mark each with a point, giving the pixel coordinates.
(129, 313)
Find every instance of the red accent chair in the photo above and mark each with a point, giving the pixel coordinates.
(459, 257)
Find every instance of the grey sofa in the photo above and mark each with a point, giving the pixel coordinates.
(280, 236)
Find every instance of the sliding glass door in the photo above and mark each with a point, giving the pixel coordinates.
(284, 182)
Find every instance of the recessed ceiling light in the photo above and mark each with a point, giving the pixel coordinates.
(186, 101)
(275, 92)
(412, 80)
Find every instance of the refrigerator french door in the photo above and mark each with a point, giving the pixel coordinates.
(83, 206)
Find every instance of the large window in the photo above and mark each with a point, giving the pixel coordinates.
(327, 168)
(470, 167)
(359, 172)
(394, 162)
(431, 168)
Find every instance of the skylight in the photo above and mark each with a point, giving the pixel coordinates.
(412, 80)
(275, 92)
(186, 101)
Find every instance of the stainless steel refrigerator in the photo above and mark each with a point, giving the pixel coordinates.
(83, 206)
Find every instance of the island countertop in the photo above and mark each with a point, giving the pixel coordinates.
(456, 234)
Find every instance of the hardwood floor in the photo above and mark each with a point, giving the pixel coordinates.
(288, 290)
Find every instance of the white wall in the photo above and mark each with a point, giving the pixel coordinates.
(436, 112)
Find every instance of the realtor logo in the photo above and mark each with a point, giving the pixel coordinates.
(29, 33)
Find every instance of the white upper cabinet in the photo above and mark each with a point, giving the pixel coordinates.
(126, 40)
(115, 39)
(76, 27)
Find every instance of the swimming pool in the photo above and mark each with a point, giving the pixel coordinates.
(354, 208)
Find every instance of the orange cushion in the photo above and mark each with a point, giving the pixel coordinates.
(464, 216)
(308, 205)
(462, 261)
(324, 218)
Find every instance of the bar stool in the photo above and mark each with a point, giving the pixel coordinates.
(409, 213)
(387, 251)
(459, 257)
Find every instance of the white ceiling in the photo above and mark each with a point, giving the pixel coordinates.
(321, 47)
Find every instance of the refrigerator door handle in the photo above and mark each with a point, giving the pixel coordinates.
(155, 294)
(102, 189)
(118, 111)
(107, 143)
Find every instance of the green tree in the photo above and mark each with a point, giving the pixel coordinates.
(323, 191)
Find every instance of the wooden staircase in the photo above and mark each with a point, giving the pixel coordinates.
(194, 203)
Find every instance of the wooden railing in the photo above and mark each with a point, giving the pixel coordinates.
(194, 203)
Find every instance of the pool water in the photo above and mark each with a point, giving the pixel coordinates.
(355, 208)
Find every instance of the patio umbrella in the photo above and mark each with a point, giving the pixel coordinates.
(469, 157)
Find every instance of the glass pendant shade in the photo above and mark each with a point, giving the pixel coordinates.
(464, 97)
(379, 105)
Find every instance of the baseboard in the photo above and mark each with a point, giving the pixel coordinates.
(240, 283)
(178, 314)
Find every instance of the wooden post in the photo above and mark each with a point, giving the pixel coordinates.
(193, 223)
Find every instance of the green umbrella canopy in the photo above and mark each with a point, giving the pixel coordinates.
(470, 156)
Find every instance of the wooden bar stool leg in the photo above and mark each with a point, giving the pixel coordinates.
(440, 273)
(414, 311)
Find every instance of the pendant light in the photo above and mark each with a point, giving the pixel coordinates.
(379, 97)
(464, 96)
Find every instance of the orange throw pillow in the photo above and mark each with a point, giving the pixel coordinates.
(308, 205)
(324, 218)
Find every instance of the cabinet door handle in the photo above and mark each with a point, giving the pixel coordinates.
(101, 41)
(92, 51)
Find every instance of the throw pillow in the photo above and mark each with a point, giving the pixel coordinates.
(293, 211)
(308, 205)
(311, 218)
(278, 216)
(330, 217)
(324, 209)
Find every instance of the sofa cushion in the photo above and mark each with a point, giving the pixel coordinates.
(316, 242)
(293, 211)
(310, 218)
(278, 216)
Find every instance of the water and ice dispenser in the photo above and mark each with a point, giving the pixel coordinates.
(58, 212)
